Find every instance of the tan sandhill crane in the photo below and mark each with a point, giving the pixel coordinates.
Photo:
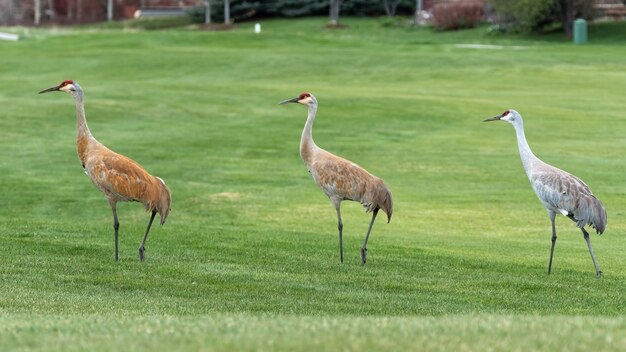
(339, 178)
(118, 177)
(558, 191)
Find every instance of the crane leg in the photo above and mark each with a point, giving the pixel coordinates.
(364, 248)
(116, 226)
(552, 216)
(595, 264)
(142, 249)
(337, 204)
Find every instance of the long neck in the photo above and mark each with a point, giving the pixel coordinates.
(81, 123)
(528, 158)
(307, 145)
(83, 135)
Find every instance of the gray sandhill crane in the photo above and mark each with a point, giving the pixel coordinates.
(558, 191)
(118, 177)
(341, 179)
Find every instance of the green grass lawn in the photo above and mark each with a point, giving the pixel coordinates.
(248, 259)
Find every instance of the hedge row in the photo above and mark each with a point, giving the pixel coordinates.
(247, 9)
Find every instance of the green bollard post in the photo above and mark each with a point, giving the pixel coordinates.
(580, 31)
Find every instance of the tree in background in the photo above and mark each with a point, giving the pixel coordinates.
(391, 6)
(207, 11)
(227, 12)
(536, 15)
(522, 15)
(110, 10)
(37, 12)
(51, 12)
(570, 10)
(334, 12)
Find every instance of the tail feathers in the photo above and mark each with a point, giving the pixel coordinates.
(380, 198)
(387, 205)
(165, 202)
(159, 199)
(590, 211)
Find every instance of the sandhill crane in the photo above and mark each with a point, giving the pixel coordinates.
(118, 177)
(558, 191)
(341, 179)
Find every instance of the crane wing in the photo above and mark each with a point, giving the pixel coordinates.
(119, 176)
(559, 190)
(569, 195)
(339, 177)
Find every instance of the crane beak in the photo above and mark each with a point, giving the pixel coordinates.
(495, 118)
(52, 89)
(294, 100)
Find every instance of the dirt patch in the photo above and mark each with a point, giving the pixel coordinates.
(335, 26)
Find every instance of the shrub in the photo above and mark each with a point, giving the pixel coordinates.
(242, 10)
(457, 15)
(536, 15)
(522, 15)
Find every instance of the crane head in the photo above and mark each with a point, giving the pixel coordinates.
(304, 99)
(67, 86)
(510, 116)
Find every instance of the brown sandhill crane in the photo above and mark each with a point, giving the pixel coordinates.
(118, 177)
(558, 191)
(341, 179)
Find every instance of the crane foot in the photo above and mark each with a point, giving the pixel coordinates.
(599, 274)
(363, 255)
(142, 252)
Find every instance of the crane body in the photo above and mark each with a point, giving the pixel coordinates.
(118, 177)
(341, 179)
(559, 191)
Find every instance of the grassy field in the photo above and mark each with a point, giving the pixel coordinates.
(248, 259)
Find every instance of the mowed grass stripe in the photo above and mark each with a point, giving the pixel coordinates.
(265, 332)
